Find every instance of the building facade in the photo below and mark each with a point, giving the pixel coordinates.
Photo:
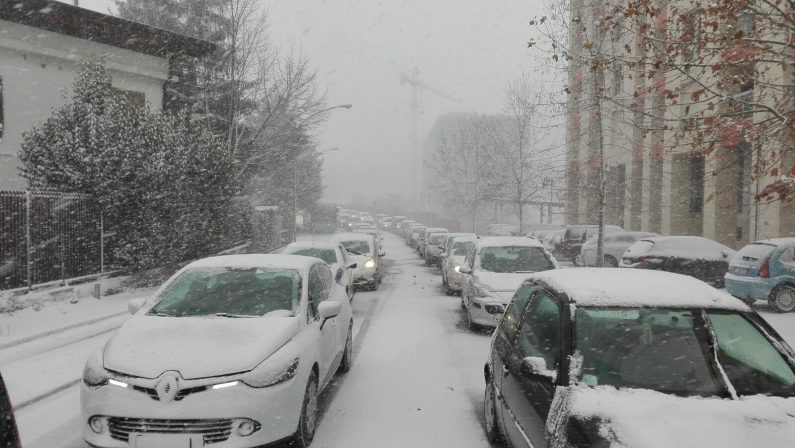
(41, 46)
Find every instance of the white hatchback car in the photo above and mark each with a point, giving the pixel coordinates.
(334, 254)
(492, 272)
(231, 351)
(369, 272)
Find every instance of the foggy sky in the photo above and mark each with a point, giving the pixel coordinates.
(466, 48)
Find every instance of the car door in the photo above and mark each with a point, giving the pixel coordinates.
(466, 278)
(527, 396)
(318, 292)
(339, 323)
(347, 273)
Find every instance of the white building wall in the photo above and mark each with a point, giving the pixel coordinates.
(38, 67)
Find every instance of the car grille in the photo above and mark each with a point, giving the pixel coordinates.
(180, 395)
(213, 431)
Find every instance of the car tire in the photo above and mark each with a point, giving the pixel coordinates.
(610, 261)
(577, 260)
(783, 299)
(491, 426)
(347, 355)
(307, 424)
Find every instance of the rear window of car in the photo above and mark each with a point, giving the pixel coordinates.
(574, 233)
(461, 247)
(755, 251)
(327, 255)
(504, 259)
(641, 247)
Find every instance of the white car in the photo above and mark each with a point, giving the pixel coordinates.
(455, 253)
(492, 272)
(361, 247)
(334, 254)
(231, 352)
(615, 244)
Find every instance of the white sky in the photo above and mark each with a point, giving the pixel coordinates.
(466, 48)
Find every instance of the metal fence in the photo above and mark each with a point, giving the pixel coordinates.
(47, 236)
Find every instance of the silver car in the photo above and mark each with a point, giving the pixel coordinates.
(615, 244)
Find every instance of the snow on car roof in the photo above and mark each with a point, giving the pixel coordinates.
(352, 237)
(776, 241)
(256, 261)
(307, 245)
(645, 418)
(636, 288)
(508, 241)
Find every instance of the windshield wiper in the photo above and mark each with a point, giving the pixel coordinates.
(234, 316)
(355, 253)
(155, 313)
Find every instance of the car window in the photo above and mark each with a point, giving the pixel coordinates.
(238, 291)
(755, 252)
(788, 257)
(327, 255)
(751, 362)
(504, 259)
(461, 247)
(328, 280)
(574, 233)
(357, 246)
(539, 334)
(513, 315)
(658, 349)
(316, 291)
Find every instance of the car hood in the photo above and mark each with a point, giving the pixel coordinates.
(646, 419)
(501, 282)
(197, 347)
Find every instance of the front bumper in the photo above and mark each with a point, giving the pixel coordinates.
(748, 288)
(364, 276)
(454, 280)
(210, 416)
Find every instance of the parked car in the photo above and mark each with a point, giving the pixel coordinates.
(575, 236)
(455, 253)
(552, 242)
(334, 255)
(610, 358)
(695, 256)
(423, 238)
(397, 223)
(443, 246)
(413, 235)
(9, 436)
(233, 350)
(764, 270)
(369, 272)
(433, 247)
(493, 269)
(615, 244)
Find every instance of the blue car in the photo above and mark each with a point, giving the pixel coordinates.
(765, 270)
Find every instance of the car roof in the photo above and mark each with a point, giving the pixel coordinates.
(612, 287)
(279, 261)
(308, 245)
(490, 241)
(776, 241)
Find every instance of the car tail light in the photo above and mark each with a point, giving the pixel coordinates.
(764, 270)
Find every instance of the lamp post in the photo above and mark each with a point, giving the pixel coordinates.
(295, 167)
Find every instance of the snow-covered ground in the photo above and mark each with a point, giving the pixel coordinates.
(416, 380)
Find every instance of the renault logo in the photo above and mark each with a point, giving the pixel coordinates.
(167, 387)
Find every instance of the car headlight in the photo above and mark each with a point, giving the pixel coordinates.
(94, 373)
(457, 269)
(278, 368)
(369, 264)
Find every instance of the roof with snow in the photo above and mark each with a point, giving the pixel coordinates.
(90, 25)
(489, 241)
(352, 237)
(308, 245)
(265, 261)
(636, 288)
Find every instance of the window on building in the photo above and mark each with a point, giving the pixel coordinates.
(696, 184)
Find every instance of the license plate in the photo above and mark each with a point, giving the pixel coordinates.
(166, 441)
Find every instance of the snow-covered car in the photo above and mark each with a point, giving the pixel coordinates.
(434, 247)
(413, 235)
(230, 352)
(334, 255)
(609, 357)
(422, 240)
(362, 248)
(764, 270)
(696, 256)
(615, 244)
(9, 436)
(455, 253)
(492, 271)
(575, 236)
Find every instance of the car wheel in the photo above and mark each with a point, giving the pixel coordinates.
(610, 261)
(490, 411)
(308, 421)
(577, 260)
(347, 355)
(783, 299)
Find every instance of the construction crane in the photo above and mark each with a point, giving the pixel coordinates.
(412, 79)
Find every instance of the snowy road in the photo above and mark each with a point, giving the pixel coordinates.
(416, 380)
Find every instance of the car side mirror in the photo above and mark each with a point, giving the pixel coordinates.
(536, 366)
(464, 270)
(352, 266)
(381, 254)
(134, 305)
(338, 277)
(327, 310)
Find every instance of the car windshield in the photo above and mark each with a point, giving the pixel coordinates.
(461, 247)
(436, 239)
(505, 259)
(327, 255)
(231, 292)
(357, 246)
(658, 349)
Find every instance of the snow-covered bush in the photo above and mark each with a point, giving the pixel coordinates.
(162, 180)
